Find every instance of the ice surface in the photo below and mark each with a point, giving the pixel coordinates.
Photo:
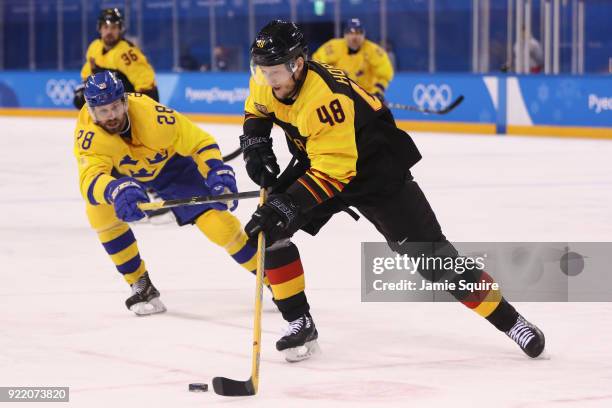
(63, 322)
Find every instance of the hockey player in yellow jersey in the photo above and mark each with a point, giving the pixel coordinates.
(347, 152)
(362, 60)
(122, 151)
(114, 53)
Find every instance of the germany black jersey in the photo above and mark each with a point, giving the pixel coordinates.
(346, 135)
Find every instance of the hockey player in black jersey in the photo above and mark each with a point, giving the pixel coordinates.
(349, 153)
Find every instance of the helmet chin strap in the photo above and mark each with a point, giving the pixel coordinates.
(128, 125)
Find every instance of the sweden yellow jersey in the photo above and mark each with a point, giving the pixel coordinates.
(125, 59)
(157, 134)
(370, 67)
(321, 123)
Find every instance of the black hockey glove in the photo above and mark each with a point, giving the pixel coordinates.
(277, 218)
(79, 96)
(259, 159)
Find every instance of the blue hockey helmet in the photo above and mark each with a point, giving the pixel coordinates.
(103, 88)
(354, 26)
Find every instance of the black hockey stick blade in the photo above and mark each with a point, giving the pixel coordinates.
(452, 105)
(233, 388)
(232, 155)
(412, 108)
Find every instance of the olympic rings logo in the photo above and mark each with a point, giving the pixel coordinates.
(432, 97)
(61, 91)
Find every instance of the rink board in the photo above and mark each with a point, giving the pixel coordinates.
(567, 106)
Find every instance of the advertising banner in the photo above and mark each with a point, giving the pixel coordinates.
(569, 105)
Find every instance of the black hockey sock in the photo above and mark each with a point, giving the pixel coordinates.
(504, 316)
(293, 307)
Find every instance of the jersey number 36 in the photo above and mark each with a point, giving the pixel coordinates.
(129, 56)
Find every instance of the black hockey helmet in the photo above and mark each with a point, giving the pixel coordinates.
(277, 43)
(110, 16)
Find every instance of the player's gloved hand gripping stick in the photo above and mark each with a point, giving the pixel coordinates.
(126, 195)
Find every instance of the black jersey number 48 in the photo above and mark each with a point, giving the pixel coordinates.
(336, 116)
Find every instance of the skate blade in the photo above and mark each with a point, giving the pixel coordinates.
(544, 355)
(296, 354)
(148, 308)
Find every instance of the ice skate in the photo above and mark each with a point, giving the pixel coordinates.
(300, 340)
(145, 298)
(527, 336)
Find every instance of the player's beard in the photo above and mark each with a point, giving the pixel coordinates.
(116, 125)
(110, 41)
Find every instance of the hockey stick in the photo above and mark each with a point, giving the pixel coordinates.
(235, 388)
(232, 155)
(442, 111)
(156, 205)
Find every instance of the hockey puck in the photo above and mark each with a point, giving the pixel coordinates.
(198, 387)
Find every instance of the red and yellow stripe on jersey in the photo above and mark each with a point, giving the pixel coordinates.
(319, 185)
